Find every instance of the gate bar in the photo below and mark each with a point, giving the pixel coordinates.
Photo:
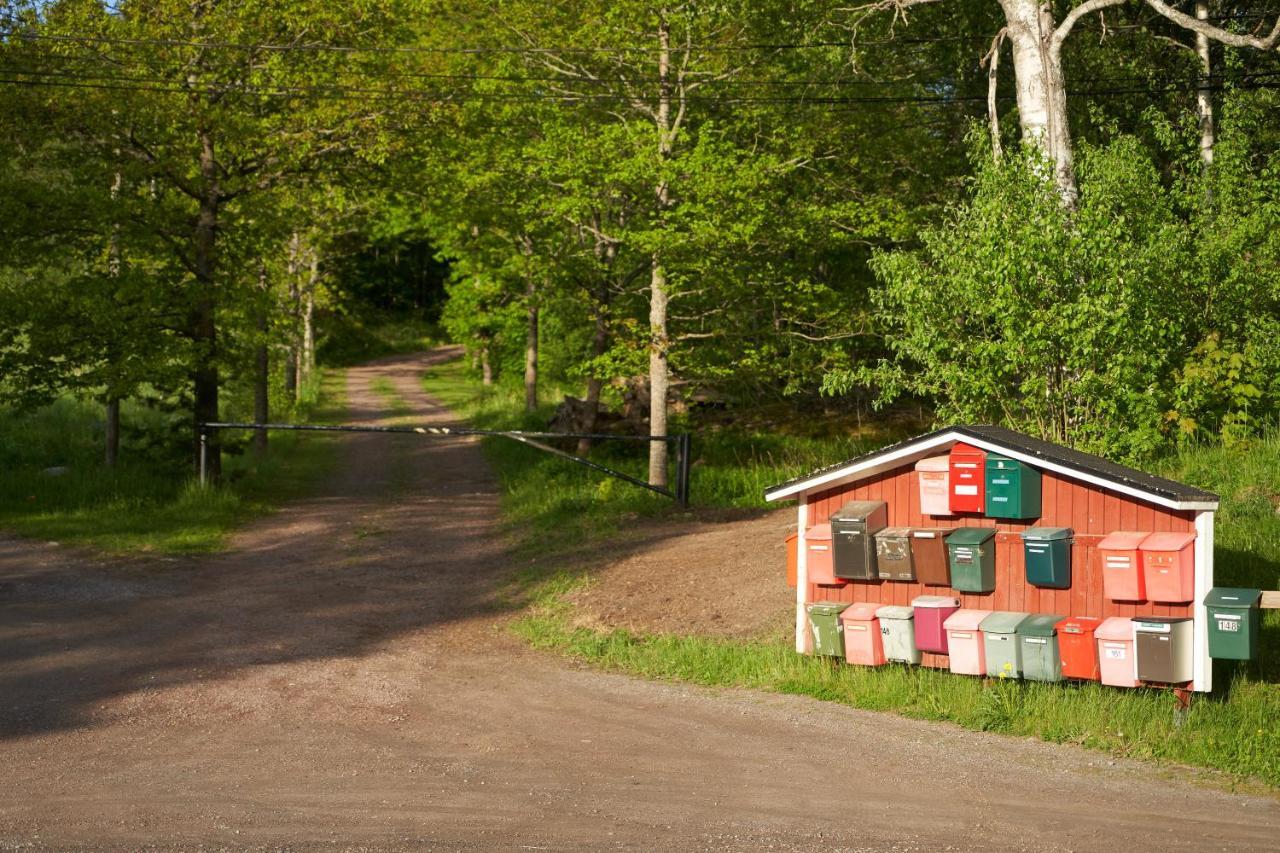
(682, 442)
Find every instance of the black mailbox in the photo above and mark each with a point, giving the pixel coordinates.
(853, 530)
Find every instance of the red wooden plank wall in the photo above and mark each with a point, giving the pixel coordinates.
(1091, 512)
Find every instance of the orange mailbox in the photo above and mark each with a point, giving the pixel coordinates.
(1122, 576)
(818, 563)
(967, 482)
(862, 643)
(1169, 567)
(793, 561)
(1079, 647)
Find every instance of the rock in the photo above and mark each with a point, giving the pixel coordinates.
(56, 471)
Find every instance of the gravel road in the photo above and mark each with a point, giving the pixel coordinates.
(339, 679)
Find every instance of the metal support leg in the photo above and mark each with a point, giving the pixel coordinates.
(204, 459)
(683, 448)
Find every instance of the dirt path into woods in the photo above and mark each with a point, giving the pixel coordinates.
(339, 680)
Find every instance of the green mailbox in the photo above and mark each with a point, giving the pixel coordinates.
(971, 551)
(1001, 643)
(828, 633)
(1233, 622)
(1041, 658)
(1012, 488)
(1048, 556)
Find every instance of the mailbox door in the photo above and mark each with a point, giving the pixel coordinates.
(1040, 659)
(1003, 658)
(852, 548)
(1156, 658)
(1122, 575)
(1079, 652)
(893, 558)
(929, 554)
(935, 498)
(1012, 489)
(1049, 563)
(972, 569)
(968, 483)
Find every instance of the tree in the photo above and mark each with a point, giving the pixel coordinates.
(1036, 36)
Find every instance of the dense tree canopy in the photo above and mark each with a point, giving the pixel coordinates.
(1061, 216)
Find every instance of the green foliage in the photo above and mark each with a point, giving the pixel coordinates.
(147, 502)
(1142, 316)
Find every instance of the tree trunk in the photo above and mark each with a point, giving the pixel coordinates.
(294, 308)
(1041, 90)
(112, 439)
(1204, 92)
(307, 368)
(486, 367)
(599, 343)
(204, 328)
(261, 369)
(531, 347)
(658, 295)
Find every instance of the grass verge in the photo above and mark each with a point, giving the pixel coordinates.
(142, 506)
(555, 506)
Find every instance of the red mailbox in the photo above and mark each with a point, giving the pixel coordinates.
(967, 482)
(1169, 567)
(1078, 647)
(818, 562)
(1122, 576)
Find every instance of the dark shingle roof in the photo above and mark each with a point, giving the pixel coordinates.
(1077, 460)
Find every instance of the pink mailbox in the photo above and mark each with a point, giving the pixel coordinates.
(934, 476)
(818, 561)
(968, 652)
(1116, 664)
(1169, 567)
(1122, 578)
(862, 643)
(931, 612)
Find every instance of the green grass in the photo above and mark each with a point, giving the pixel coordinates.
(351, 339)
(144, 505)
(555, 506)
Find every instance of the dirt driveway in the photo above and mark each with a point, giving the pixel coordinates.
(339, 680)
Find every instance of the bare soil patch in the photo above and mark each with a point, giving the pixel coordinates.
(723, 575)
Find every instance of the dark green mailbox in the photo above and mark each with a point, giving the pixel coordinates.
(1048, 556)
(1012, 488)
(972, 554)
(1233, 622)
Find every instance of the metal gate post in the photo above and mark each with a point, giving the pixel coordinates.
(204, 459)
(682, 469)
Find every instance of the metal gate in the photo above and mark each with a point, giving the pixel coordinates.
(681, 441)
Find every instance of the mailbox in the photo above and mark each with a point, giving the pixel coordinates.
(1163, 645)
(1048, 556)
(1078, 647)
(933, 476)
(929, 554)
(897, 632)
(893, 554)
(966, 484)
(964, 638)
(1169, 567)
(818, 562)
(1000, 643)
(862, 642)
(931, 612)
(972, 555)
(1233, 622)
(853, 529)
(1038, 642)
(1121, 561)
(1012, 488)
(828, 634)
(1115, 652)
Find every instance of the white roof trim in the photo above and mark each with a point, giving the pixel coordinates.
(876, 464)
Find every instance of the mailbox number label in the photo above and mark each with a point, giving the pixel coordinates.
(1229, 625)
(1115, 653)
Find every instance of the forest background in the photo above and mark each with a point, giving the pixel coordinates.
(755, 219)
